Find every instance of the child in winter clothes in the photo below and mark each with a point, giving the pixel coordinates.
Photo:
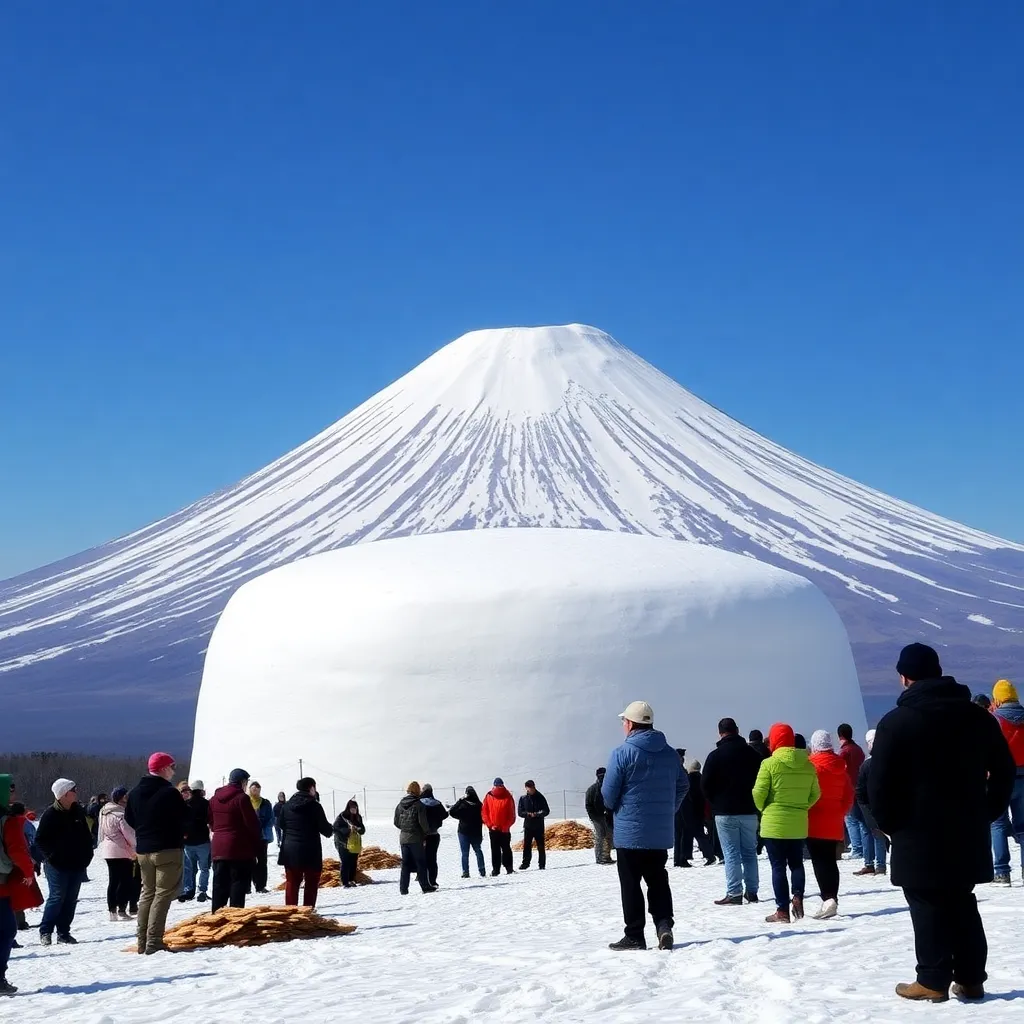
(786, 788)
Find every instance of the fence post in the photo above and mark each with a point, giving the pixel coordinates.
(365, 809)
(455, 799)
(334, 806)
(565, 816)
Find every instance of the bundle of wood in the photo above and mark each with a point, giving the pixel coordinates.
(373, 858)
(330, 876)
(566, 835)
(251, 926)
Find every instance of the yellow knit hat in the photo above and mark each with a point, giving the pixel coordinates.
(1003, 691)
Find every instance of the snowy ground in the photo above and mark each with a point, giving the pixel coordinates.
(526, 948)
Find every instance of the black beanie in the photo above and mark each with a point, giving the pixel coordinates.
(919, 661)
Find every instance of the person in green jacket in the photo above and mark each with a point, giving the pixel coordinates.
(786, 788)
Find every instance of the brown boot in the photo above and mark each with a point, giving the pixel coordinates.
(918, 993)
(779, 917)
(970, 993)
(865, 871)
(798, 908)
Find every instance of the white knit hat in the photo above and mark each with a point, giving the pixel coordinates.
(821, 740)
(62, 787)
(869, 738)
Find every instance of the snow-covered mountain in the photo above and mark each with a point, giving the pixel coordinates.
(548, 426)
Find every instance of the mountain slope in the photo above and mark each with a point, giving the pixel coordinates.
(556, 426)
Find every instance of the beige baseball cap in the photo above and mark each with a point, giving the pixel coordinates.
(639, 712)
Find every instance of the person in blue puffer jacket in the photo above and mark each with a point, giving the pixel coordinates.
(265, 814)
(643, 787)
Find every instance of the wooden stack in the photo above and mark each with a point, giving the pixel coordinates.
(373, 858)
(330, 875)
(566, 835)
(251, 926)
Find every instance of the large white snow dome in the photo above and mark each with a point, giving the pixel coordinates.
(460, 656)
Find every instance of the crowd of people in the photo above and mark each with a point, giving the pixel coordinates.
(947, 827)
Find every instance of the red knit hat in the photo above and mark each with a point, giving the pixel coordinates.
(159, 761)
(781, 735)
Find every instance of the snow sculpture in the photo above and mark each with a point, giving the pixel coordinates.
(459, 656)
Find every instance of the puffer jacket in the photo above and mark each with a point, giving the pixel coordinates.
(1010, 716)
(117, 837)
(786, 788)
(411, 821)
(826, 816)
(235, 832)
(644, 785)
(20, 896)
(499, 810)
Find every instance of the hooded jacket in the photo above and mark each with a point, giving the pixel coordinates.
(826, 817)
(941, 772)
(64, 838)
(436, 814)
(499, 810)
(158, 813)
(468, 812)
(117, 837)
(344, 825)
(12, 835)
(786, 788)
(411, 820)
(594, 802)
(265, 817)
(303, 822)
(644, 786)
(235, 832)
(1010, 716)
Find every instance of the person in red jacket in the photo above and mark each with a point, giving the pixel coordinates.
(1009, 714)
(499, 815)
(853, 756)
(235, 837)
(18, 889)
(825, 820)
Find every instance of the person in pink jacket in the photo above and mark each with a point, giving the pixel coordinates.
(117, 847)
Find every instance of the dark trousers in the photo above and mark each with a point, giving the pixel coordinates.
(414, 862)
(430, 845)
(231, 882)
(648, 866)
(349, 866)
(259, 869)
(119, 884)
(61, 901)
(826, 870)
(308, 878)
(8, 933)
(785, 853)
(531, 836)
(949, 937)
(501, 852)
(135, 893)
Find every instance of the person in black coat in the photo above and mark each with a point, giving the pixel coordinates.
(348, 841)
(467, 812)
(602, 820)
(301, 853)
(533, 809)
(436, 815)
(941, 772)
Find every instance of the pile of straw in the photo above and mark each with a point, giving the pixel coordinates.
(566, 835)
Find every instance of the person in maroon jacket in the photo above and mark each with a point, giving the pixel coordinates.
(235, 841)
(856, 829)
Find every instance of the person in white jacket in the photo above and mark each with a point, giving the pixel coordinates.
(117, 847)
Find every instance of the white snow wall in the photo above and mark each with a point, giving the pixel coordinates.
(459, 656)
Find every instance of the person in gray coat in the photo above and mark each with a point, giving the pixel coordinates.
(413, 826)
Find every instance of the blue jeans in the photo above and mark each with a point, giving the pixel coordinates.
(465, 844)
(197, 858)
(785, 853)
(738, 835)
(874, 847)
(1010, 824)
(855, 830)
(61, 901)
(8, 933)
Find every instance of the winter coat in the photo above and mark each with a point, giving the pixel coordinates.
(853, 757)
(278, 808)
(436, 814)
(536, 805)
(761, 749)
(92, 816)
(117, 837)
(786, 788)
(644, 785)
(303, 822)
(197, 821)
(730, 772)
(157, 812)
(344, 825)
(412, 821)
(863, 780)
(941, 772)
(265, 816)
(1010, 716)
(469, 814)
(64, 839)
(12, 835)
(826, 818)
(234, 828)
(694, 806)
(594, 803)
(499, 810)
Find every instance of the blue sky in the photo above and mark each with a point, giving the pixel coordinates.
(224, 225)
